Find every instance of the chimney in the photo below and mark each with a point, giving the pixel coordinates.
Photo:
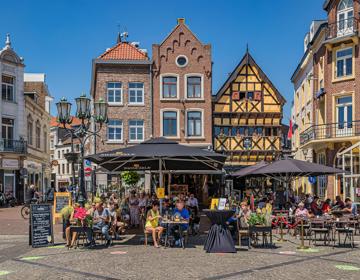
(181, 21)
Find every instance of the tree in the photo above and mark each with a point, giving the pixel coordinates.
(130, 178)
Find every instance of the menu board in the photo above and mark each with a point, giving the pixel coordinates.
(61, 200)
(41, 228)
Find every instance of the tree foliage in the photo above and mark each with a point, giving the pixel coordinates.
(130, 178)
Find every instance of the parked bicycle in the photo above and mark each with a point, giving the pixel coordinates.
(7, 200)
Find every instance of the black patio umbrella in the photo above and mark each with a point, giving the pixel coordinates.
(288, 170)
(249, 170)
(159, 154)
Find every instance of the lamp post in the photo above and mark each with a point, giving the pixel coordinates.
(83, 131)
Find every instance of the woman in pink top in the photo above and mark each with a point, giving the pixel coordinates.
(301, 212)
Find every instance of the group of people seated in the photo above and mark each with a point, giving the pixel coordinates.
(156, 223)
(314, 207)
(98, 218)
(112, 218)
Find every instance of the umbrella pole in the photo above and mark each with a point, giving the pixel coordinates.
(160, 183)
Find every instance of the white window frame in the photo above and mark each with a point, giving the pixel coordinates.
(116, 126)
(9, 85)
(186, 76)
(177, 86)
(111, 103)
(344, 58)
(184, 56)
(136, 89)
(345, 26)
(136, 128)
(202, 123)
(162, 111)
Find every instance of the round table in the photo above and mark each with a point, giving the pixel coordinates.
(219, 239)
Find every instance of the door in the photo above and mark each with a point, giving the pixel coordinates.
(8, 132)
(344, 116)
(9, 183)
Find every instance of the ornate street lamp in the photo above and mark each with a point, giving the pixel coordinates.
(83, 131)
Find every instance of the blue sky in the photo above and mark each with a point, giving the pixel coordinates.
(60, 38)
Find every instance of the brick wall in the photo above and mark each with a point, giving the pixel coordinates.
(123, 73)
(39, 88)
(182, 41)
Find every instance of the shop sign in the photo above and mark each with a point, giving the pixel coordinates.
(10, 163)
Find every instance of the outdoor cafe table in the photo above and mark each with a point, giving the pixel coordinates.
(219, 239)
(168, 223)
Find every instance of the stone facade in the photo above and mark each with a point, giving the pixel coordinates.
(37, 104)
(182, 43)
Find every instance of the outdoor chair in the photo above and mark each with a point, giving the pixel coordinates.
(243, 231)
(320, 228)
(342, 227)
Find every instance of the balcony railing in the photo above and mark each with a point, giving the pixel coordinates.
(341, 28)
(13, 146)
(328, 131)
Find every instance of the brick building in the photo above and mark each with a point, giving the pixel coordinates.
(182, 72)
(336, 116)
(122, 77)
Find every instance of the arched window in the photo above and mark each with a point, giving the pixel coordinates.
(38, 135)
(345, 17)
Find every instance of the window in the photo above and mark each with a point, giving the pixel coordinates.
(170, 123)
(114, 93)
(136, 93)
(52, 144)
(37, 135)
(321, 182)
(115, 130)
(194, 87)
(8, 132)
(345, 17)
(58, 154)
(7, 88)
(30, 131)
(63, 168)
(344, 115)
(169, 87)
(45, 140)
(68, 168)
(194, 124)
(136, 130)
(181, 61)
(344, 61)
(59, 171)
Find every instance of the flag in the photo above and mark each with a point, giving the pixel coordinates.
(290, 132)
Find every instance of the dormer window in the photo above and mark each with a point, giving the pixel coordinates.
(345, 17)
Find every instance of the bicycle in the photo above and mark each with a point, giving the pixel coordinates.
(25, 210)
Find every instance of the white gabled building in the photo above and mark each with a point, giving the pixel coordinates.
(13, 145)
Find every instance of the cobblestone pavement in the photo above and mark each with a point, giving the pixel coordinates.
(130, 259)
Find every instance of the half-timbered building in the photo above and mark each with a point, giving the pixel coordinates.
(247, 115)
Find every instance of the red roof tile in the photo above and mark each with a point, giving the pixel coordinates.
(54, 122)
(124, 51)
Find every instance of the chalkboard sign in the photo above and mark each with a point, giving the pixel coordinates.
(61, 202)
(41, 227)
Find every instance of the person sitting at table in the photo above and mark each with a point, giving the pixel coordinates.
(350, 207)
(183, 213)
(326, 207)
(301, 212)
(76, 218)
(245, 213)
(314, 206)
(101, 221)
(152, 223)
(339, 204)
(113, 219)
